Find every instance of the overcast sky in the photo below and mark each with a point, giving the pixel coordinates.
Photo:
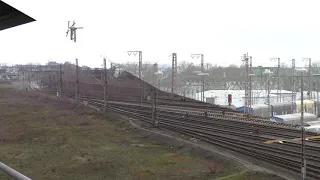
(222, 30)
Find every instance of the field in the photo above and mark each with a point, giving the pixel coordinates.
(45, 137)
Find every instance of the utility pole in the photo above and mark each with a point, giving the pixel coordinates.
(309, 75)
(23, 74)
(251, 94)
(269, 95)
(141, 85)
(317, 109)
(317, 89)
(250, 83)
(245, 59)
(202, 70)
(61, 80)
(29, 72)
(77, 81)
(105, 83)
(317, 98)
(174, 73)
(202, 88)
(293, 86)
(50, 81)
(310, 89)
(154, 104)
(303, 159)
(278, 81)
(37, 76)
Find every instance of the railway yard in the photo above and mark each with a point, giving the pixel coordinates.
(149, 114)
(70, 141)
(257, 138)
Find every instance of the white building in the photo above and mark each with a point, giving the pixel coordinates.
(238, 96)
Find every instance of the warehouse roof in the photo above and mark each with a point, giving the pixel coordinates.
(11, 17)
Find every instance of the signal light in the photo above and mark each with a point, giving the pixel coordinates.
(229, 99)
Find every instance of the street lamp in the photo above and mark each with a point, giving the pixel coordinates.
(317, 76)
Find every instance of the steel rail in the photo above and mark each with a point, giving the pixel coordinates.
(234, 117)
(274, 155)
(221, 123)
(181, 121)
(288, 163)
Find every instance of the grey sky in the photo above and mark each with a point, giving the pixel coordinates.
(222, 30)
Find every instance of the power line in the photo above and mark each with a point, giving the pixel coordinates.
(140, 72)
(202, 70)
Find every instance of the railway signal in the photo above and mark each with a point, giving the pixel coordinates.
(229, 99)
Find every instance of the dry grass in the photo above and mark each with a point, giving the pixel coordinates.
(48, 138)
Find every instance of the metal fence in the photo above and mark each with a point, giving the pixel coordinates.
(13, 173)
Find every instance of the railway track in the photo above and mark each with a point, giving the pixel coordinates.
(232, 137)
(284, 155)
(215, 113)
(235, 135)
